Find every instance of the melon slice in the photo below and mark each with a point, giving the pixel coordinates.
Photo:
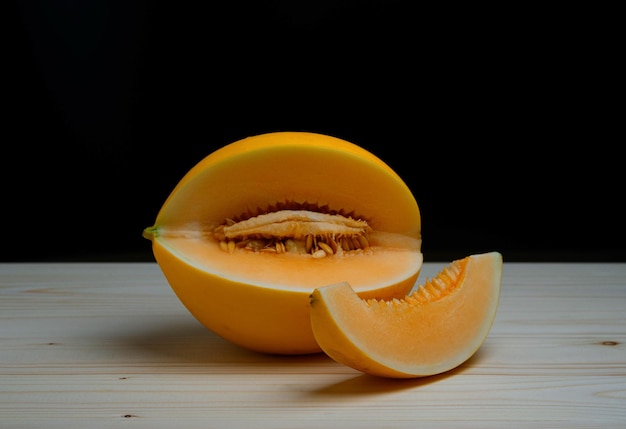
(440, 325)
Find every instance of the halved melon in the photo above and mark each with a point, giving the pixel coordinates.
(251, 230)
(440, 325)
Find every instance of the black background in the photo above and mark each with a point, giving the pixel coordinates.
(505, 122)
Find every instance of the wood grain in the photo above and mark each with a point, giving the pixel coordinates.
(110, 346)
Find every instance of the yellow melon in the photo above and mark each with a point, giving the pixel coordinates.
(252, 229)
(440, 325)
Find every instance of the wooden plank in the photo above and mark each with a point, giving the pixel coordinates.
(109, 345)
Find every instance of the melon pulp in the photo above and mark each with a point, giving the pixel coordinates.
(440, 325)
(253, 288)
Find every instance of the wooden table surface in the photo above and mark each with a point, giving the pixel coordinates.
(108, 345)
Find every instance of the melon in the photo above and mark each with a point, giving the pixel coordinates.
(252, 229)
(434, 329)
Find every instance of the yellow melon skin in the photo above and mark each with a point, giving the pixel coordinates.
(261, 301)
(436, 328)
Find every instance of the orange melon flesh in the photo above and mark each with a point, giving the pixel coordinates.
(440, 325)
(294, 272)
(261, 301)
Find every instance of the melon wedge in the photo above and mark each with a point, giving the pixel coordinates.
(436, 328)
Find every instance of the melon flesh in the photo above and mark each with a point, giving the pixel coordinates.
(397, 260)
(434, 329)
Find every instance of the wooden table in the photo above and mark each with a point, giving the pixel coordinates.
(109, 345)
